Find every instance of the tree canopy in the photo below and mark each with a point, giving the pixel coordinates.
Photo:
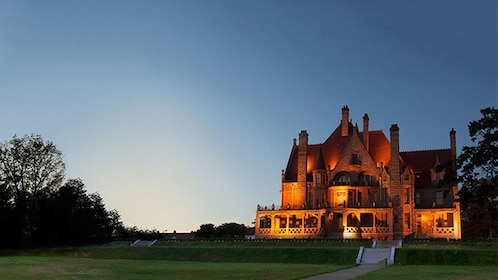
(41, 209)
(223, 231)
(478, 195)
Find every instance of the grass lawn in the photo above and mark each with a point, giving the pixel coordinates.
(426, 272)
(57, 267)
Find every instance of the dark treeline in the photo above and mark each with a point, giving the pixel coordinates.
(223, 231)
(39, 207)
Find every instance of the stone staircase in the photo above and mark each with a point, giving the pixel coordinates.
(143, 243)
(375, 256)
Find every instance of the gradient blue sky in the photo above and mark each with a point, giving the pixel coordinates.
(181, 113)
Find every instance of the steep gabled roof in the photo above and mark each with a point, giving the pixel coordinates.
(321, 156)
(421, 163)
(290, 174)
(380, 148)
(335, 144)
(425, 160)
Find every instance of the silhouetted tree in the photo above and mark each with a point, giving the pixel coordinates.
(230, 230)
(80, 217)
(479, 193)
(205, 231)
(10, 230)
(37, 209)
(30, 169)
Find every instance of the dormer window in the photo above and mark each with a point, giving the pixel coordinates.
(355, 159)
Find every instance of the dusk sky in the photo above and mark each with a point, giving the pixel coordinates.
(181, 113)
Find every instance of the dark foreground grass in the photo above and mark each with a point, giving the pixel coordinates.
(312, 255)
(58, 267)
(426, 272)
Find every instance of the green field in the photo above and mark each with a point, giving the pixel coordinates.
(295, 259)
(427, 272)
(23, 267)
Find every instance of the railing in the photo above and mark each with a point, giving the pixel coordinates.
(305, 207)
(355, 184)
(366, 229)
(283, 231)
(445, 230)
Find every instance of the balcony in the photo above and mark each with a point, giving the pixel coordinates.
(355, 184)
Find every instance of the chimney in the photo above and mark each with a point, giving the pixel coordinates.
(299, 194)
(395, 187)
(394, 161)
(453, 145)
(345, 121)
(366, 134)
(302, 157)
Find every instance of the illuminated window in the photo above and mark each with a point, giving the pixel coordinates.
(444, 220)
(295, 222)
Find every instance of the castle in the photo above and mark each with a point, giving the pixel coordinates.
(359, 185)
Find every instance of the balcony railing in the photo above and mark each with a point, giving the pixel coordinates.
(355, 184)
(336, 206)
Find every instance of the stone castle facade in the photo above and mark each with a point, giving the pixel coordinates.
(359, 185)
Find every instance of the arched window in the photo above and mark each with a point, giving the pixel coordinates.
(264, 222)
(342, 178)
(352, 220)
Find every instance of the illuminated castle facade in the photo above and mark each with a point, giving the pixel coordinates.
(359, 185)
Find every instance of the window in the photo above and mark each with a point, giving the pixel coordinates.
(355, 159)
(283, 221)
(351, 199)
(444, 220)
(417, 198)
(311, 222)
(264, 222)
(372, 199)
(406, 195)
(439, 198)
(381, 220)
(342, 179)
(368, 180)
(366, 219)
(295, 222)
(407, 220)
(352, 220)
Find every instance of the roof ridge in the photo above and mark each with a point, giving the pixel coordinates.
(315, 144)
(426, 150)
